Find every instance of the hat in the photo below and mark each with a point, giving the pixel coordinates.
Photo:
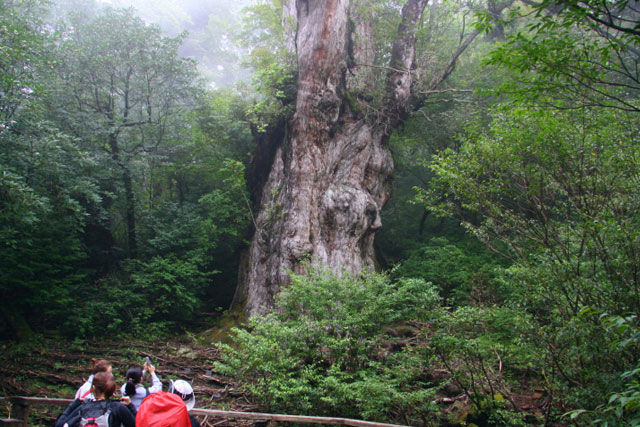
(185, 391)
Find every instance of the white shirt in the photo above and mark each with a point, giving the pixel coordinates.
(141, 393)
(84, 392)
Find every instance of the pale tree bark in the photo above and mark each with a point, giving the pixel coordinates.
(330, 175)
(289, 20)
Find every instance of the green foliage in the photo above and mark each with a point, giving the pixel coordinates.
(185, 246)
(221, 128)
(446, 111)
(44, 191)
(273, 64)
(226, 209)
(151, 297)
(46, 187)
(169, 288)
(326, 349)
(120, 77)
(557, 189)
(556, 192)
(171, 229)
(24, 55)
(482, 348)
(276, 83)
(140, 162)
(574, 53)
(124, 90)
(225, 220)
(623, 406)
(463, 276)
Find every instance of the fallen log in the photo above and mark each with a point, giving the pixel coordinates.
(58, 378)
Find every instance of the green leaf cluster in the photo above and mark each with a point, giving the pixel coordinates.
(581, 53)
(486, 349)
(274, 66)
(462, 272)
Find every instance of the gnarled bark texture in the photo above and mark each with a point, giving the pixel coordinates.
(330, 174)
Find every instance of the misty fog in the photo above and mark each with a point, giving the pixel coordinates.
(210, 27)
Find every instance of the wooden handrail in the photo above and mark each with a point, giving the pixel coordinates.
(38, 401)
(21, 407)
(290, 418)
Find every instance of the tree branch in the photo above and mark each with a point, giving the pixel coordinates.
(402, 58)
(451, 64)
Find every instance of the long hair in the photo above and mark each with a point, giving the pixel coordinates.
(104, 384)
(134, 376)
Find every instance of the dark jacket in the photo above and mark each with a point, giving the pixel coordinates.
(120, 414)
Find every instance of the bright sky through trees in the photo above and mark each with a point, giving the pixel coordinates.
(210, 26)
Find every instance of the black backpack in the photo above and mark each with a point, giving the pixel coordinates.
(95, 414)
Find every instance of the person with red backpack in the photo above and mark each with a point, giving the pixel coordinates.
(101, 412)
(168, 409)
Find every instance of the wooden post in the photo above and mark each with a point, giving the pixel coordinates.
(20, 410)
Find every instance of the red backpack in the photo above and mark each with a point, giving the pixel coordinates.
(162, 409)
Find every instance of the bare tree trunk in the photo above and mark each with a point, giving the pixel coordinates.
(330, 176)
(129, 195)
(131, 211)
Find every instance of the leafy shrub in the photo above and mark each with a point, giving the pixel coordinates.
(623, 404)
(154, 297)
(333, 346)
(169, 287)
(170, 229)
(484, 349)
(462, 276)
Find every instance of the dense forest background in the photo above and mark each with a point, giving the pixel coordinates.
(507, 290)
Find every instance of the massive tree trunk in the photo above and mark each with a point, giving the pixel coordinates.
(330, 174)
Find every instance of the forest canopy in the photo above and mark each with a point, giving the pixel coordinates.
(122, 183)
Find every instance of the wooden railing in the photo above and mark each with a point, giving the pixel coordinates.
(21, 408)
